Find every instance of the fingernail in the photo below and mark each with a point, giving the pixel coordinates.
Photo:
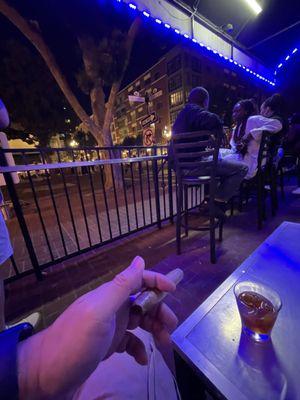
(137, 262)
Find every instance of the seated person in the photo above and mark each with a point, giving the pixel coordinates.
(248, 146)
(77, 356)
(196, 117)
(240, 114)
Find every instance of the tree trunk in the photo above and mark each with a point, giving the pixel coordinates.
(34, 36)
(100, 127)
(113, 96)
(116, 85)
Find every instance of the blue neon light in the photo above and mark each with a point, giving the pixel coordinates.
(287, 58)
(185, 35)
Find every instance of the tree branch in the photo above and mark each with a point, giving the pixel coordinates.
(131, 35)
(35, 37)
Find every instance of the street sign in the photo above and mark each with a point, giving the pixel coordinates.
(148, 137)
(155, 95)
(150, 119)
(137, 99)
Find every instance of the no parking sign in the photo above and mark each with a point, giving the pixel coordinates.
(149, 137)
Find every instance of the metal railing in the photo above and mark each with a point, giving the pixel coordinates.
(62, 209)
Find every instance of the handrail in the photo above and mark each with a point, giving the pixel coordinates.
(34, 167)
(61, 149)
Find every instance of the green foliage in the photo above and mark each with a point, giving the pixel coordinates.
(105, 57)
(84, 139)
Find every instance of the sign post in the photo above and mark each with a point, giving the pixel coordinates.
(149, 137)
(150, 119)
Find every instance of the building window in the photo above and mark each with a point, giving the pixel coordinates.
(156, 76)
(147, 79)
(196, 64)
(121, 123)
(132, 114)
(159, 106)
(175, 82)
(176, 98)
(174, 65)
(130, 89)
(173, 116)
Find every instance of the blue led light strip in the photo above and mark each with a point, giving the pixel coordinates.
(146, 14)
(286, 58)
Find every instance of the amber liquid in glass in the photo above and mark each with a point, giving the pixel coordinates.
(257, 313)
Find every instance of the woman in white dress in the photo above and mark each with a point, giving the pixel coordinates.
(247, 148)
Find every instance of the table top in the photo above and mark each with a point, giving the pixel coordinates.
(211, 342)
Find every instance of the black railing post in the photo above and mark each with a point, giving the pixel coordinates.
(156, 189)
(170, 190)
(20, 216)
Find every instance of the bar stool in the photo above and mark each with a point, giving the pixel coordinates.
(196, 156)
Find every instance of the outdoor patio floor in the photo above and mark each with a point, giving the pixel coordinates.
(66, 281)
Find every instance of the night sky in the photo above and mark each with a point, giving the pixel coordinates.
(61, 21)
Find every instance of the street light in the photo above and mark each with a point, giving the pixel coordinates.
(255, 7)
(73, 143)
(167, 134)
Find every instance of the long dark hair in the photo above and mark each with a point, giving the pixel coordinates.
(249, 107)
(276, 104)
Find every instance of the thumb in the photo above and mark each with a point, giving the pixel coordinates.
(116, 292)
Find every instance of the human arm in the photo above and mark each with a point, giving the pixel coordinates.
(257, 124)
(4, 118)
(56, 361)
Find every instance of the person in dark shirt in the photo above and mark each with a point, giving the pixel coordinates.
(196, 117)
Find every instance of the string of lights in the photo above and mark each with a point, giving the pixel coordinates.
(286, 59)
(166, 25)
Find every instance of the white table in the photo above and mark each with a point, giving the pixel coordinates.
(210, 340)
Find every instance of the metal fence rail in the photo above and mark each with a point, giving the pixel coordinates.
(61, 209)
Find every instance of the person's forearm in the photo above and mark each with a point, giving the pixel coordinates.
(55, 362)
(28, 367)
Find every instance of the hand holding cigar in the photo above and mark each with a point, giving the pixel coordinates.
(148, 298)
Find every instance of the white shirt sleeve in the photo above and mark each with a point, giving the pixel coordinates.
(257, 124)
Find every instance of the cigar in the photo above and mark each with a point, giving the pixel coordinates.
(150, 297)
